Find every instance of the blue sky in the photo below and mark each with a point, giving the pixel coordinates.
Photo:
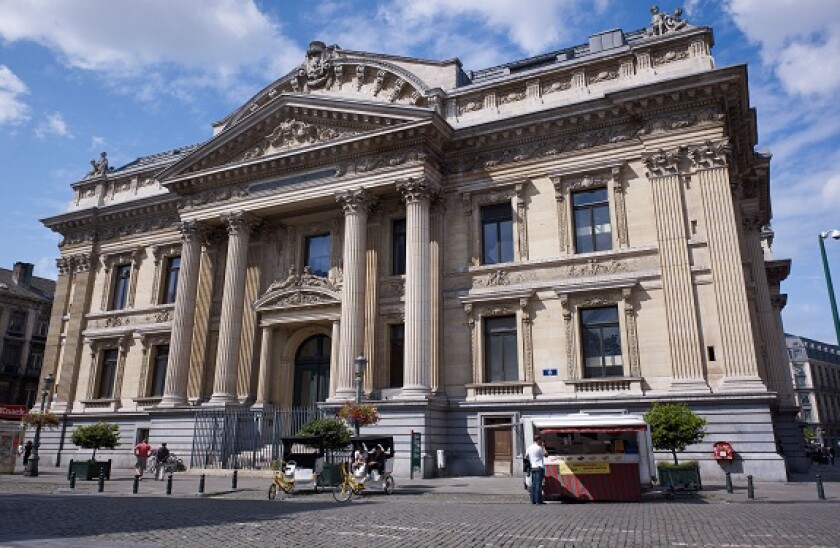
(132, 78)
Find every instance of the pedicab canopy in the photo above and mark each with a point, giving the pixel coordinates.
(371, 441)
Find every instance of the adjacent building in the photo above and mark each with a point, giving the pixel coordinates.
(586, 229)
(815, 369)
(25, 305)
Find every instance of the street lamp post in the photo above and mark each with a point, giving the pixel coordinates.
(361, 363)
(32, 464)
(835, 234)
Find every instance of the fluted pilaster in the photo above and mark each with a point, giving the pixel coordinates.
(177, 370)
(351, 343)
(677, 284)
(239, 228)
(266, 350)
(417, 194)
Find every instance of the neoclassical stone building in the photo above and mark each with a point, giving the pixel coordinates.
(581, 230)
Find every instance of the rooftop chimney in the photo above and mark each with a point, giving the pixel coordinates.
(22, 274)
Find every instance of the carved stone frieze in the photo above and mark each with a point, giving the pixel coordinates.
(302, 298)
(684, 119)
(162, 222)
(498, 278)
(394, 288)
(292, 133)
(595, 268)
(556, 86)
(371, 163)
(603, 76)
(511, 97)
(75, 237)
(470, 105)
(669, 57)
(212, 195)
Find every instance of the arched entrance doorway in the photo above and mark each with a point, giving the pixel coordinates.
(312, 371)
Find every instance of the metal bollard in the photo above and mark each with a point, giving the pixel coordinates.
(233, 480)
(169, 484)
(201, 483)
(728, 482)
(101, 481)
(820, 489)
(73, 480)
(136, 484)
(750, 488)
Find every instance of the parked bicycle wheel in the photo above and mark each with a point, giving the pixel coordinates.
(272, 492)
(389, 485)
(343, 493)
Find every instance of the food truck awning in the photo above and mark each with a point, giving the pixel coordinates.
(593, 429)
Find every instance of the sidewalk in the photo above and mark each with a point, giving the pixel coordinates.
(219, 483)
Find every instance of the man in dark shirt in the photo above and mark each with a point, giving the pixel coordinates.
(162, 455)
(376, 462)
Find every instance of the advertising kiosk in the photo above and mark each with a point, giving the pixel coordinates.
(594, 456)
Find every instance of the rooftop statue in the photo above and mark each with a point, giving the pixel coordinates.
(99, 168)
(315, 71)
(663, 23)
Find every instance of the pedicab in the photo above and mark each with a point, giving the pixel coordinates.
(359, 479)
(300, 468)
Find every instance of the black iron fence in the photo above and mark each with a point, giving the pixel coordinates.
(245, 438)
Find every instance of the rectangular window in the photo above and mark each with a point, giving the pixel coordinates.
(592, 221)
(11, 356)
(601, 342)
(107, 374)
(36, 359)
(122, 277)
(318, 254)
(42, 328)
(159, 370)
(396, 355)
(501, 359)
(497, 233)
(398, 247)
(17, 322)
(170, 286)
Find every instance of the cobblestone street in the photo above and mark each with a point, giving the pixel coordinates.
(413, 517)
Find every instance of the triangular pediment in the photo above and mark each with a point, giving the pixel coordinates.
(301, 290)
(294, 125)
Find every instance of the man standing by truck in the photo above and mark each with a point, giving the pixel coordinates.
(536, 456)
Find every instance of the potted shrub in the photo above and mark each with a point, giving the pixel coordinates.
(94, 436)
(673, 427)
(335, 436)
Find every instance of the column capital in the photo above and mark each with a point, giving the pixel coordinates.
(415, 189)
(355, 201)
(191, 230)
(238, 222)
(664, 162)
(710, 154)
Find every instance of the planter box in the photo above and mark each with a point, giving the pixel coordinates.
(682, 478)
(89, 470)
(331, 475)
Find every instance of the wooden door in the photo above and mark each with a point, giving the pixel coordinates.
(500, 448)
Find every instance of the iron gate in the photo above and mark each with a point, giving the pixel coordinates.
(245, 438)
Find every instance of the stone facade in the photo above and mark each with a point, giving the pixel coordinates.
(582, 230)
(815, 368)
(25, 304)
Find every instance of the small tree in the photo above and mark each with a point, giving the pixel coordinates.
(333, 432)
(97, 436)
(810, 434)
(673, 427)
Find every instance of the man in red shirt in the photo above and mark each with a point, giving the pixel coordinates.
(142, 451)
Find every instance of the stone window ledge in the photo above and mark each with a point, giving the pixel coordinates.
(520, 390)
(597, 387)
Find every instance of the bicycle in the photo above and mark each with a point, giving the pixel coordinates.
(284, 478)
(350, 486)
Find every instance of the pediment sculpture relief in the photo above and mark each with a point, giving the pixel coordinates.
(294, 133)
(302, 289)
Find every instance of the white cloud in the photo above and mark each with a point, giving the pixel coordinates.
(96, 142)
(53, 125)
(12, 109)
(215, 41)
(798, 39)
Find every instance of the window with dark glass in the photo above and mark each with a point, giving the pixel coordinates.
(17, 322)
(318, 254)
(122, 276)
(36, 359)
(170, 286)
(396, 355)
(159, 370)
(11, 356)
(592, 220)
(398, 247)
(497, 233)
(41, 328)
(601, 342)
(501, 360)
(107, 374)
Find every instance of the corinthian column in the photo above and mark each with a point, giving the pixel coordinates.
(177, 370)
(677, 282)
(230, 328)
(352, 327)
(418, 317)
